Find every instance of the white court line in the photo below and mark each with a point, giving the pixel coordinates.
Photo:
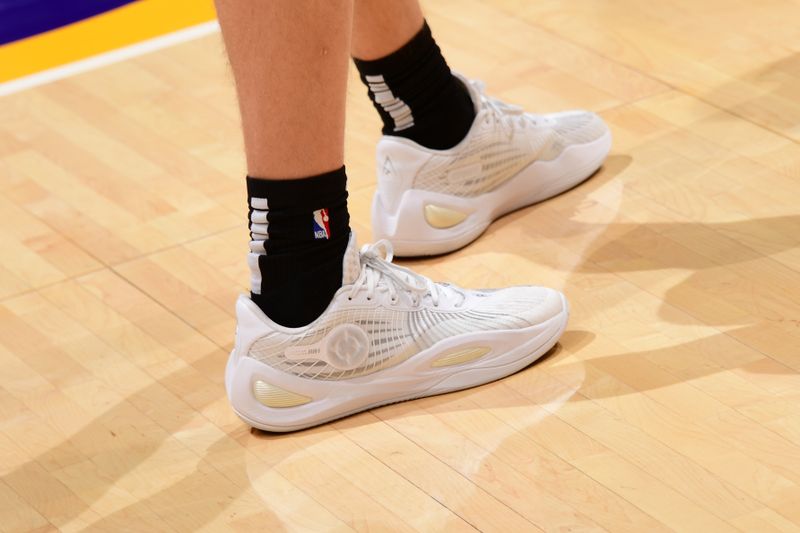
(107, 58)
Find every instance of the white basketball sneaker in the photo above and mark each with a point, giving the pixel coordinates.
(436, 201)
(388, 335)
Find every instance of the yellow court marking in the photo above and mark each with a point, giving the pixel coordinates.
(119, 27)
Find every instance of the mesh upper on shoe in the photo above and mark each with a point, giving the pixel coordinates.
(495, 151)
(572, 127)
(396, 334)
(487, 160)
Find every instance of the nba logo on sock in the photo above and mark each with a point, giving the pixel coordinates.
(322, 229)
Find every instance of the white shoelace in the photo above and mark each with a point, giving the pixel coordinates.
(509, 115)
(379, 273)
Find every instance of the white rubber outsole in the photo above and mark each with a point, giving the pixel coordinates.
(512, 350)
(411, 235)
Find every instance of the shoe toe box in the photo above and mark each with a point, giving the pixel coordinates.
(578, 126)
(530, 304)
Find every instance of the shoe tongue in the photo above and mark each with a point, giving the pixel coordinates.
(351, 264)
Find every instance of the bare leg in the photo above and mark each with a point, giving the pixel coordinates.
(290, 64)
(408, 79)
(382, 26)
(290, 61)
(367, 332)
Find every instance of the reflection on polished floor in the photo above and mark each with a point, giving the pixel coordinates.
(671, 403)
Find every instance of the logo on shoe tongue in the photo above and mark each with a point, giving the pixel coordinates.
(322, 228)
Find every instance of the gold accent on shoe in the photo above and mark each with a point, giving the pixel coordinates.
(461, 356)
(273, 396)
(443, 217)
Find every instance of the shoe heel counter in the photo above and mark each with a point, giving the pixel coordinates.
(397, 165)
(248, 326)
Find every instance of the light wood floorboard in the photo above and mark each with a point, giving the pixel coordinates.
(671, 403)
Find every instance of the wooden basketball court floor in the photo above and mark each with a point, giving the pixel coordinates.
(671, 403)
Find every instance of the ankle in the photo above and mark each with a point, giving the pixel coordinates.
(416, 94)
(299, 232)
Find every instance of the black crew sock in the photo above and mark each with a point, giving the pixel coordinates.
(417, 96)
(299, 230)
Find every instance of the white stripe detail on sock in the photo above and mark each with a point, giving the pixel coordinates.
(395, 107)
(255, 273)
(259, 203)
(258, 216)
(259, 233)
